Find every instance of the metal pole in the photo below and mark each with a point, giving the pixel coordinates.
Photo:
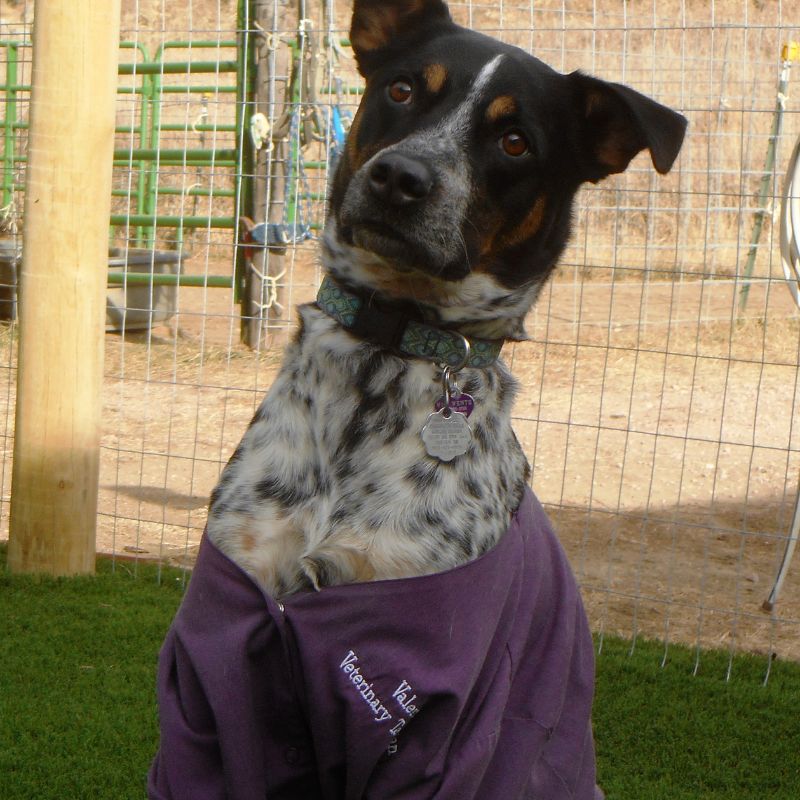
(788, 553)
(63, 287)
(766, 179)
(790, 258)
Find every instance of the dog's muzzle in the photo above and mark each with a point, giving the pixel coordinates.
(409, 211)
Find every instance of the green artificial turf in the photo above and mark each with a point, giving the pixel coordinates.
(668, 734)
(77, 673)
(78, 716)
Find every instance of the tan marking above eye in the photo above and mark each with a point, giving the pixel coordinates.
(502, 106)
(435, 75)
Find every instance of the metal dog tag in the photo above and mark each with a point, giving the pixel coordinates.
(446, 434)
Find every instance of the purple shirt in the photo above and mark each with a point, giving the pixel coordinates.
(474, 683)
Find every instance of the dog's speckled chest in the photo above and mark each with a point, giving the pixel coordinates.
(331, 482)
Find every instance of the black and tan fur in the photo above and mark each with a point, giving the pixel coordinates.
(331, 483)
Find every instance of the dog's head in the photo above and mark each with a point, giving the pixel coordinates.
(456, 184)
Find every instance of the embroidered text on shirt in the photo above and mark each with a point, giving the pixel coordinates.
(406, 702)
(353, 672)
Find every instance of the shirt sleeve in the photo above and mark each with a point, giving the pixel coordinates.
(188, 765)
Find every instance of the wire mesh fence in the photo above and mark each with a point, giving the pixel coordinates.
(660, 383)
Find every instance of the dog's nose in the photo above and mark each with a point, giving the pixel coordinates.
(399, 180)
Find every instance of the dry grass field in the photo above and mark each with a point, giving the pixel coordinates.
(658, 416)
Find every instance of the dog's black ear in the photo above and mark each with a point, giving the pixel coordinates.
(618, 123)
(378, 23)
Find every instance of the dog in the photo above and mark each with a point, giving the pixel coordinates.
(383, 459)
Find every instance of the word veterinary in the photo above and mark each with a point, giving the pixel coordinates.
(403, 696)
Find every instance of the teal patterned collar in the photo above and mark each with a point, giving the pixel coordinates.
(392, 326)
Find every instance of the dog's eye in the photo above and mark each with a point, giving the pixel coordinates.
(400, 91)
(514, 144)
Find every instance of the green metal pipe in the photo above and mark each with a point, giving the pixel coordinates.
(144, 142)
(177, 192)
(177, 155)
(175, 162)
(191, 44)
(176, 67)
(172, 221)
(151, 197)
(206, 89)
(202, 128)
(147, 155)
(135, 46)
(146, 279)
(147, 67)
(142, 132)
(243, 173)
(172, 127)
(355, 90)
(8, 132)
(196, 192)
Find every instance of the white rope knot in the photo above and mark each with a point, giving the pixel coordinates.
(269, 290)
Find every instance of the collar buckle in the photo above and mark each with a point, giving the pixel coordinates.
(379, 324)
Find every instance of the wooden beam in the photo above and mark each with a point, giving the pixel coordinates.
(62, 287)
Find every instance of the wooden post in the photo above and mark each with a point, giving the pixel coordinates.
(63, 287)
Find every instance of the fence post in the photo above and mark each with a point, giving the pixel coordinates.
(787, 56)
(63, 286)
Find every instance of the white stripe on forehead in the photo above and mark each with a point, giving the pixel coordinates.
(484, 76)
(458, 121)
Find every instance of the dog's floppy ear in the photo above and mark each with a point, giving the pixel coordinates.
(618, 123)
(377, 23)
